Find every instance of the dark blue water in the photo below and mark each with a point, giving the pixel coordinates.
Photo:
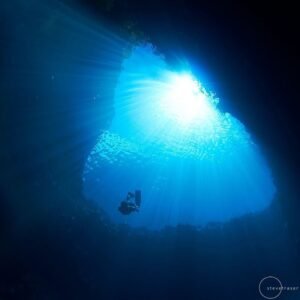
(88, 115)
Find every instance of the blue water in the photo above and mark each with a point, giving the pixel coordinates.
(193, 163)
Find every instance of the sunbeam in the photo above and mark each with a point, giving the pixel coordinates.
(194, 163)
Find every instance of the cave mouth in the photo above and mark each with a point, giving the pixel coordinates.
(193, 163)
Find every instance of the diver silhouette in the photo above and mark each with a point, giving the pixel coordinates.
(131, 204)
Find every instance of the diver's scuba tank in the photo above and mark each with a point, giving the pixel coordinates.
(138, 198)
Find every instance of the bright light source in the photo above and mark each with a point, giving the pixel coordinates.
(186, 101)
(194, 163)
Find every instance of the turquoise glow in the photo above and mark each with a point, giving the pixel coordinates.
(193, 163)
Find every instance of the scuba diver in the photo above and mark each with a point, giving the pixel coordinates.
(131, 204)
